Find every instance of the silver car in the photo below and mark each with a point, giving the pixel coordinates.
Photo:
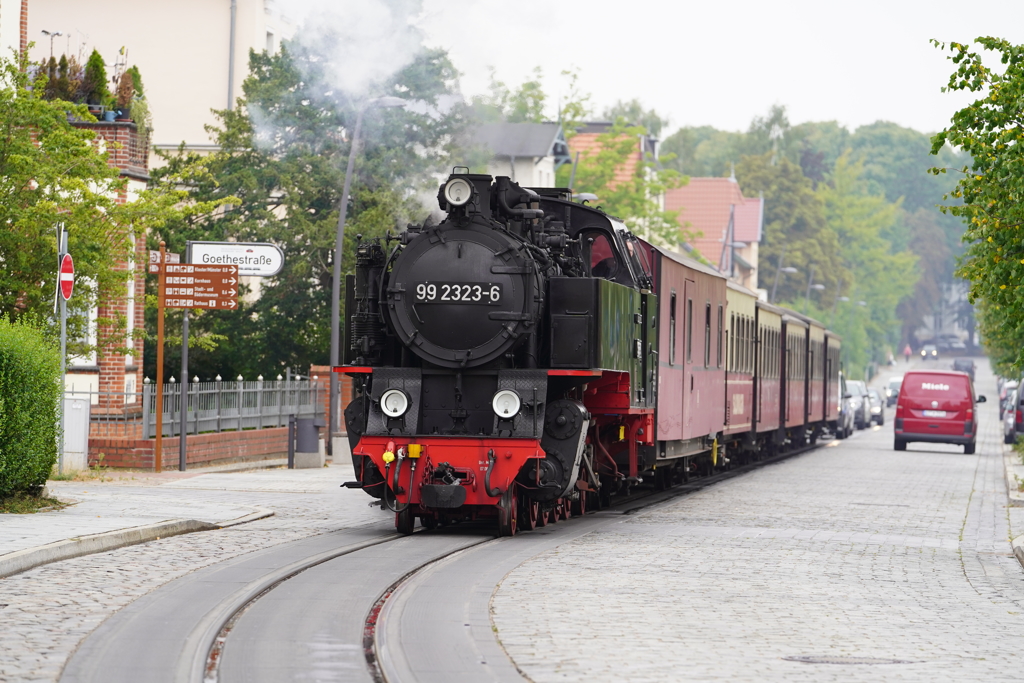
(859, 403)
(876, 407)
(1010, 418)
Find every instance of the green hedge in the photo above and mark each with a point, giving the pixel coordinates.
(30, 395)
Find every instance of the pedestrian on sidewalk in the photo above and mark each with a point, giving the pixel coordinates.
(906, 352)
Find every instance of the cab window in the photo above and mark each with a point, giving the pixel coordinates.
(601, 256)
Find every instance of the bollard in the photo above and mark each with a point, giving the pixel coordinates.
(291, 442)
(307, 443)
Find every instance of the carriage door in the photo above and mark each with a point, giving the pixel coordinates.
(690, 394)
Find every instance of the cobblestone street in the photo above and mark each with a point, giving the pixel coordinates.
(45, 612)
(850, 551)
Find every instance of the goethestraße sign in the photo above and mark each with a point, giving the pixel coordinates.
(252, 258)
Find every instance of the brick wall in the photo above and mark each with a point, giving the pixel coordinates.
(23, 42)
(203, 449)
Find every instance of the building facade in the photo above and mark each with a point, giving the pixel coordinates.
(727, 226)
(193, 54)
(528, 153)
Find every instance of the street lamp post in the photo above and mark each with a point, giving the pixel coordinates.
(52, 34)
(816, 286)
(339, 244)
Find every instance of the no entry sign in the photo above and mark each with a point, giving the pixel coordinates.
(67, 276)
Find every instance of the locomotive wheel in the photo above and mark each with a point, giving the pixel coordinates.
(579, 506)
(542, 516)
(508, 513)
(553, 514)
(529, 512)
(428, 521)
(404, 521)
(566, 508)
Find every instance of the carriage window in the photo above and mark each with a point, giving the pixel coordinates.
(689, 330)
(672, 330)
(602, 257)
(707, 335)
(720, 316)
(732, 343)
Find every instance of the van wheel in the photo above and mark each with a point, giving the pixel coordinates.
(1009, 440)
(969, 448)
(900, 445)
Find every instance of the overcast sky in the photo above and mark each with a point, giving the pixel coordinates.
(722, 63)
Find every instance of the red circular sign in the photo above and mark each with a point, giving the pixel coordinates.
(67, 276)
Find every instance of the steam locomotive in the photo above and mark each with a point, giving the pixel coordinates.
(527, 358)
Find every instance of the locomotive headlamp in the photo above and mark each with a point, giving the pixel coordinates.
(506, 404)
(458, 191)
(394, 403)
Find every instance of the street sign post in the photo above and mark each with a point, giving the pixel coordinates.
(65, 286)
(196, 286)
(67, 276)
(207, 280)
(258, 259)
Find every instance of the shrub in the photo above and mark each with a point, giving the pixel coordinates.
(30, 395)
(96, 80)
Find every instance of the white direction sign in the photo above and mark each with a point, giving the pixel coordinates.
(252, 258)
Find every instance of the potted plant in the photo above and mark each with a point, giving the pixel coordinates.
(125, 95)
(95, 84)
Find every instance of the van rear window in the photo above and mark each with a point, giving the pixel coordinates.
(934, 385)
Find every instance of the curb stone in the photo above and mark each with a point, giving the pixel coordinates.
(1018, 549)
(1010, 461)
(30, 558)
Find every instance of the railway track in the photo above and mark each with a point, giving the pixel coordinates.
(360, 604)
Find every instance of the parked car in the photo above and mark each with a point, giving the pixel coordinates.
(929, 352)
(859, 403)
(844, 425)
(937, 406)
(964, 365)
(1005, 402)
(1010, 418)
(892, 390)
(876, 408)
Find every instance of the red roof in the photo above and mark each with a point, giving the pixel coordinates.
(704, 205)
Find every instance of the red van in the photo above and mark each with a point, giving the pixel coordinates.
(937, 406)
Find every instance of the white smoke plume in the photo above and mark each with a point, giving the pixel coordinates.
(361, 42)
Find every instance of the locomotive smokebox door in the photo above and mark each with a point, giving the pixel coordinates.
(461, 298)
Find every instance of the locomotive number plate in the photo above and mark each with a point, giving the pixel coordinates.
(487, 293)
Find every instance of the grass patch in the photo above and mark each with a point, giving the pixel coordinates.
(1018, 448)
(91, 474)
(25, 504)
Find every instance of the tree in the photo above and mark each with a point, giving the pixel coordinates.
(282, 154)
(880, 275)
(633, 112)
(627, 186)
(795, 226)
(525, 104)
(52, 174)
(991, 131)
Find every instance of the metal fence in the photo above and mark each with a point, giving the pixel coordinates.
(211, 407)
